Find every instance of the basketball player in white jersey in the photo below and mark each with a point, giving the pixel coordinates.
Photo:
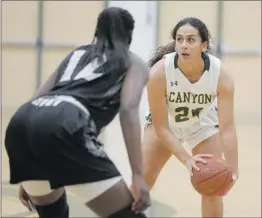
(191, 99)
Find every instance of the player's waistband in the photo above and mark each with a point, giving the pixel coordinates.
(68, 99)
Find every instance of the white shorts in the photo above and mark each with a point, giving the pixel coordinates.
(196, 133)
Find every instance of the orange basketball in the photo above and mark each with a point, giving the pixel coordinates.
(213, 178)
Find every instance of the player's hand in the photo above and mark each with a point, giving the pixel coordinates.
(141, 195)
(191, 162)
(235, 176)
(24, 198)
(233, 181)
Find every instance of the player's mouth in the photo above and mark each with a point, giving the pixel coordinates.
(185, 54)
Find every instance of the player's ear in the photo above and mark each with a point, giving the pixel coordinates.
(204, 46)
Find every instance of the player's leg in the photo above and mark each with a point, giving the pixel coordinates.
(25, 166)
(113, 194)
(77, 158)
(155, 155)
(107, 198)
(48, 203)
(63, 148)
(211, 206)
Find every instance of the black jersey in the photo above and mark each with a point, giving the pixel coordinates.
(93, 83)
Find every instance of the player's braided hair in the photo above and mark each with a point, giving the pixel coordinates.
(113, 35)
(169, 48)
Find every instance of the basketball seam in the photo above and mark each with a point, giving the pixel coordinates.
(211, 177)
(221, 185)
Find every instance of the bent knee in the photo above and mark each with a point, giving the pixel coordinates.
(121, 195)
(90, 191)
(155, 154)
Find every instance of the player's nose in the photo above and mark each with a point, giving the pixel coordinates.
(184, 44)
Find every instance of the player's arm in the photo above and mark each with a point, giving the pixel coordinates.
(156, 89)
(52, 79)
(135, 82)
(227, 128)
(47, 86)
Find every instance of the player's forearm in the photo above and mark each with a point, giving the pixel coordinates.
(230, 146)
(169, 140)
(132, 135)
(47, 86)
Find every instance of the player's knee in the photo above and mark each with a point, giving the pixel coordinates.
(57, 209)
(127, 213)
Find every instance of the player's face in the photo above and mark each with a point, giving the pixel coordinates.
(188, 43)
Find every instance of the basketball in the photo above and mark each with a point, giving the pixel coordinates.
(213, 179)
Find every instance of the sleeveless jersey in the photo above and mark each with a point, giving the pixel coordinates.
(92, 83)
(189, 102)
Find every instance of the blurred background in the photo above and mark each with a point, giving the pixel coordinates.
(36, 36)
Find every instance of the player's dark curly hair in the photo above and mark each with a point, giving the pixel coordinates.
(113, 35)
(169, 48)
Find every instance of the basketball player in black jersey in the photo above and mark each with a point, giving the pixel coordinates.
(51, 141)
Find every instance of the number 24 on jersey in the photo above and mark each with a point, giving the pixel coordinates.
(182, 114)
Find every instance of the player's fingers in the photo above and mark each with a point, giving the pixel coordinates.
(195, 167)
(142, 203)
(26, 204)
(136, 202)
(190, 170)
(204, 155)
(134, 205)
(201, 160)
(137, 205)
(32, 205)
(224, 194)
(234, 177)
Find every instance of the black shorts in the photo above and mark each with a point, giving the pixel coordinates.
(56, 143)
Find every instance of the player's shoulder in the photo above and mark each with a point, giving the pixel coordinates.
(214, 64)
(169, 60)
(226, 79)
(223, 69)
(170, 55)
(162, 62)
(83, 47)
(213, 59)
(138, 65)
(225, 73)
(135, 59)
(157, 71)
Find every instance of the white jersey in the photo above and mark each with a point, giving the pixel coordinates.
(189, 103)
